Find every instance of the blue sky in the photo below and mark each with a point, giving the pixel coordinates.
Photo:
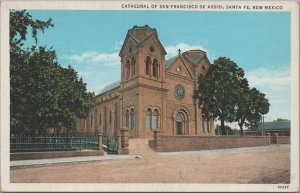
(259, 42)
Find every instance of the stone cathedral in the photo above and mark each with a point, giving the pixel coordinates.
(153, 93)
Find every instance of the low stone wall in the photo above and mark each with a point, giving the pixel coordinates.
(58, 154)
(168, 143)
(48, 155)
(283, 140)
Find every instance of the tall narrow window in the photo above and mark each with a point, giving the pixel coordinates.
(148, 65)
(91, 121)
(127, 119)
(95, 118)
(110, 117)
(155, 119)
(155, 68)
(203, 124)
(132, 119)
(148, 119)
(132, 66)
(100, 119)
(128, 69)
(207, 127)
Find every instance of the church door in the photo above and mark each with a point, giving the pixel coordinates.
(179, 124)
(179, 128)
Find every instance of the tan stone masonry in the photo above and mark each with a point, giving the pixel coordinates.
(153, 92)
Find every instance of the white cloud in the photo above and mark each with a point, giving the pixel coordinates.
(96, 58)
(102, 58)
(172, 50)
(276, 84)
(268, 76)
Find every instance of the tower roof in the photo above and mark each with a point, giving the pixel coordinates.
(139, 34)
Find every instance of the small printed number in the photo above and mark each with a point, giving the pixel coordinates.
(283, 187)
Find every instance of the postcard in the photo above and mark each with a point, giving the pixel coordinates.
(159, 96)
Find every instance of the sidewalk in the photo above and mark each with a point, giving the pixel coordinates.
(229, 150)
(138, 155)
(69, 160)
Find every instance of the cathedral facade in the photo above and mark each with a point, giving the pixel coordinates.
(153, 93)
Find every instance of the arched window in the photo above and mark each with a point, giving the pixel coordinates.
(127, 69)
(132, 119)
(132, 66)
(148, 119)
(127, 118)
(148, 65)
(155, 119)
(179, 117)
(155, 68)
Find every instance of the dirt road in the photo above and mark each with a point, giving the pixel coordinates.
(261, 165)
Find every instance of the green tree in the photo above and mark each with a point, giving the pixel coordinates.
(228, 130)
(20, 21)
(250, 107)
(219, 88)
(42, 92)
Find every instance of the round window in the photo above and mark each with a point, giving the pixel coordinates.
(151, 49)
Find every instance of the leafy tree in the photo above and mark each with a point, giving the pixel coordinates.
(219, 88)
(78, 102)
(250, 107)
(42, 92)
(20, 21)
(228, 130)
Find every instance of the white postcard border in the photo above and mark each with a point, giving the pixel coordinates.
(291, 6)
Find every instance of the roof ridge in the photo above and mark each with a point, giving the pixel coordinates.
(110, 87)
(170, 61)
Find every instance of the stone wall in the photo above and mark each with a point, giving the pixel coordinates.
(48, 155)
(283, 140)
(171, 143)
(58, 154)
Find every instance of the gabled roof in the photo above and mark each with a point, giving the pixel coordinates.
(170, 61)
(195, 56)
(110, 87)
(274, 125)
(187, 56)
(139, 40)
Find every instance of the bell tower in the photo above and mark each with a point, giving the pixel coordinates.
(143, 73)
(142, 55)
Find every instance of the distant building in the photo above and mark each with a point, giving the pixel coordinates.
(153, 93)
(280, 126)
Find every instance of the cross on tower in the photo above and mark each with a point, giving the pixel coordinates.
(179, 51)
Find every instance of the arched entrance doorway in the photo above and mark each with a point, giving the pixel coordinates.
(181, 122)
